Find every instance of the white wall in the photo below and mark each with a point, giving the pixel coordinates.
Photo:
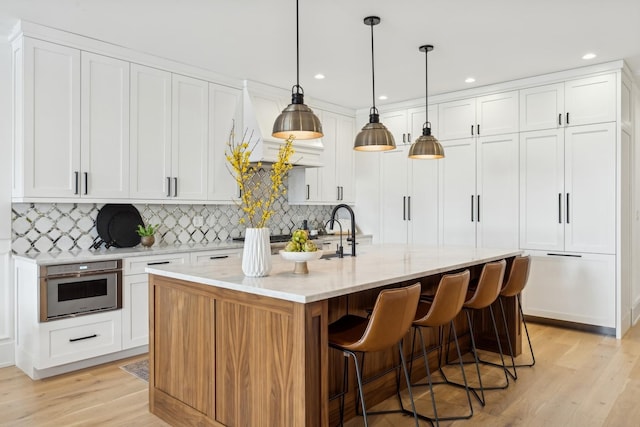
(6, 288)
(635, 247)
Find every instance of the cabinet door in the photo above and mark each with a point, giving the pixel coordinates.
(542, 107)
(542, 190)
(190, 137)
(329, 191)
(396, 122)
(150, 133)
(456, 119)
(590, 180)
(458, 189)
(345, 159)
(105, 127)
(591, 100)
(497, 114)
(497, 191)
(423, 202)
(135, 311)
(394, 193)
(225, 112)
(51, 120)
(417, 119)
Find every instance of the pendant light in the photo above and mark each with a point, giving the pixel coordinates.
(374, 136)
(427, 146)
(297, 119)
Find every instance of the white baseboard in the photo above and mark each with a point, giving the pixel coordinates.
(7, 354)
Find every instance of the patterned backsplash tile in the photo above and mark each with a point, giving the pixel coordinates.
(51, 227)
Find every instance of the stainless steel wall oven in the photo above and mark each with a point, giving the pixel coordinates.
(68, 290)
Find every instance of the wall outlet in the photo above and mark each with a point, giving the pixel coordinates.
(198, 221)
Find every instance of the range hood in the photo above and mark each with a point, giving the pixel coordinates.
(262, 104)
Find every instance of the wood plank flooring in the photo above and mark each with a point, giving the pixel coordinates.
(580, 379)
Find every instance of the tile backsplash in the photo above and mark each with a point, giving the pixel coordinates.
(51, 227)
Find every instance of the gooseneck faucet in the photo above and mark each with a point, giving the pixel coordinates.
(353, 224)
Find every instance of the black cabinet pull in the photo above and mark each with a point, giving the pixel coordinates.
(478, 128)
(86, 183)
(478, 212)
(472, 208)
(83, 338)
(219, 257)
(404, 137)
(159, 263)
(567, 208)
(76, 173)
(175, 186)
(168, 186)
(308, 192)
(471, 130)
(408, 137)
(409, 208)
(404, 208)
(559, 119)
(565, 255)
(559, 208)
(567, 118)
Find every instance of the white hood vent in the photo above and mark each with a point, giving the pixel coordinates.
(262, 104)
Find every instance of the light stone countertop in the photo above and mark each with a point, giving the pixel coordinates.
(374, 266)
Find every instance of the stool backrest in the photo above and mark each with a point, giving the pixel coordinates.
(447, 301)
(489, 285)
(518, 276)
(390, 319)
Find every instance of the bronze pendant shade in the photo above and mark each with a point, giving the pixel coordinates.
(297, 119)
(374, 136)
(426, 146)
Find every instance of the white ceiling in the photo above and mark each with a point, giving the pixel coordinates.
(491, 40)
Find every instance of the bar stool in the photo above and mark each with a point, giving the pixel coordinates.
(485, 294)
(447, 304)
(390, 320)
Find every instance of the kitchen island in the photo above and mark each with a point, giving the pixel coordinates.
(232, 350)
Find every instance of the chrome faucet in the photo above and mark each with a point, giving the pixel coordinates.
(353, 224)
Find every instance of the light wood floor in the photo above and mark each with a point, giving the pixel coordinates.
(580, 379)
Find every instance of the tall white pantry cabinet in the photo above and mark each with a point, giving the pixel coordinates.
(542, 164)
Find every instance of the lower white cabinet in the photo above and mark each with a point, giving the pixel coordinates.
(572, 287)
(214, 256)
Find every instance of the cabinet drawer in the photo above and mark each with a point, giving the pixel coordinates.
(211, 257)
(138, 264)
(69, 341)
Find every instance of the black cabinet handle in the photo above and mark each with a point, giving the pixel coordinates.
(567, 118)
(408, 137)
(559, 119)
(559, 208)
(76, 173)
(404, 137)
(478, 212)
(83, 338)
(478, 128)
(175, 186)
(409, 208)
(471, 130)
(159, 263)
(566, 255)
(567, 208)
(404, 208)
(168, 186)
(472, 208)
(308, 192)
(86, 183)
(337, 193)
(219, 257)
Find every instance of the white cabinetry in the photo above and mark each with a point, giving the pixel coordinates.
(573, 103)
(135, 293)
(169, 135)
(567, 177)
(47, 109)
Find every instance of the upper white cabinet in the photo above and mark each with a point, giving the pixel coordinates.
(169, 135)
(486, 115)
(72, 123)
(573, 103)
(225, 112)
(47, 142)
(567, 176)
(104, 127)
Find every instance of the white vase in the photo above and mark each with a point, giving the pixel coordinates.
(256, 255)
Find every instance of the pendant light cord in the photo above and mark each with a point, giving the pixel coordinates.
(297, 51)
(373, 73)
(426, 84)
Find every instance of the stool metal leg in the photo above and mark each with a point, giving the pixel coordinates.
(360, 387)
(524, 322)
(406, 376)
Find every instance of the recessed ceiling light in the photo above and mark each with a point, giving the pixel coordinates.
(589, 56)
(382, 97)
(469, 80)
(319, 76)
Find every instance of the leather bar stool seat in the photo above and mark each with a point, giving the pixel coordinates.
(390, 320)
